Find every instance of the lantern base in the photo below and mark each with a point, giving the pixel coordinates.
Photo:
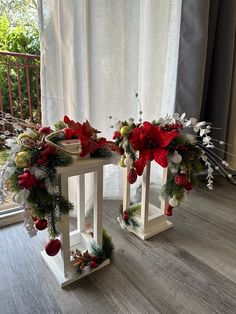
(150, 232)
(156, 223)
(72, 276)
(80, 241)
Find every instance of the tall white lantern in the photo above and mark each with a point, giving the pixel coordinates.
(152, 220)
(61, 264)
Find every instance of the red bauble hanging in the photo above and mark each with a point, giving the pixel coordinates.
(188, 186)
(125, 216)
(168, 210)
(27, 180)
(45, 130)
(181, 179)
(41, 224)
(132, 176)
(53, 247)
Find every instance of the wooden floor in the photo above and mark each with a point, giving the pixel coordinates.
(188, 269)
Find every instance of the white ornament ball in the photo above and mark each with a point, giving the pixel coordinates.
(173, 202)
(176, 158)
(128, 162)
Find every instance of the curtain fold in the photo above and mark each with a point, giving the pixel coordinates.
(192, 56)
(218, 83)
(206, 62)
(232, 120)
(96, 53)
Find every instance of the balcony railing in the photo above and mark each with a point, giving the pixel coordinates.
(20, 86)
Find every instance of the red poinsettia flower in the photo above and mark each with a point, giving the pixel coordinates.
(151, 141)
(84, 129)
(88, 145)
(86, 134)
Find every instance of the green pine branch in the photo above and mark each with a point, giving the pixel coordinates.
(64, 206)
(52, 219)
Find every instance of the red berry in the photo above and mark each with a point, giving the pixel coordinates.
(181, 179)
(132, 176)
(53, 247)
(168, 210)
(41, 224)
(93, 264)
(188, 186)
(34, 218)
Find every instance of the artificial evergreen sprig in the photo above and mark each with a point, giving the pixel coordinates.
(127, 217)
(94, 258)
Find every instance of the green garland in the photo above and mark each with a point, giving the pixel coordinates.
(45, 205)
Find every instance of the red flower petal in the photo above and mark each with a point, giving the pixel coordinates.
(66, 119)
(160, 156)
(71, 124)
(140, 165)
(166, 137)
(87, 129)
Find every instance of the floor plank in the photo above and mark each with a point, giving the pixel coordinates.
(188, 269)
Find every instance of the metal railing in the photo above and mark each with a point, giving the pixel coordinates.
(20, 85)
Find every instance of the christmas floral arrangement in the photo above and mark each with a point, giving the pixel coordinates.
(30, 171)
(83, 135)
(167, 142)
(128, 218)
(98, 255)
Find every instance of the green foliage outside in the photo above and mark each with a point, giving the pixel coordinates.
(18, 33)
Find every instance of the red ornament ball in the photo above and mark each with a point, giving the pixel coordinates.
(93, 264)
(53, 247)
(45, 130)
(181, 179)
(168, 210)
(27, 180)
(132, 176)
(188, 186)
(41, 224)
(125, 216)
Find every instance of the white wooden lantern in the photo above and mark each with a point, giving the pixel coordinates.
(152, 219)
(60, 265)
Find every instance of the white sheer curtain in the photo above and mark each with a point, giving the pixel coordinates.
(95, 53)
